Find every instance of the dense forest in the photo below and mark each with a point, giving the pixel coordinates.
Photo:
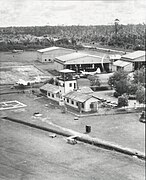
(117, 36)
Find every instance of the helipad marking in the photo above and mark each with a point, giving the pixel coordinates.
(11, 105)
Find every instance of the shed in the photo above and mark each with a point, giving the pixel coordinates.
(137, 58)
(124, 65)
(51, 91)
(81, 102)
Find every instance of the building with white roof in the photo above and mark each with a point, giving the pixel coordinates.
(48, 54)
(130, 62)
(123, 65)
(81, 102)
(81, 61)
(51, 91)
(137, 58)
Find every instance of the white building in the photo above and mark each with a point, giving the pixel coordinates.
(51, 91)
(67, 82)
(81, 102)
(49, 54)
(131, 61)
(123, 65)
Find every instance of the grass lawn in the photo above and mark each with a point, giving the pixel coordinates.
(123, 129)
(27, 153)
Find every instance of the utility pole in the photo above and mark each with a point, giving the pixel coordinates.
(116, 29)
(116, 26)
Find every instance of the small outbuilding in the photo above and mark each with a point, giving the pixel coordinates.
(123, 65)
(81, 102)
(51, 91)
(137, 58)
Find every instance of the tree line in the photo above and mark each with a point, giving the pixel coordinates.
(126, 36)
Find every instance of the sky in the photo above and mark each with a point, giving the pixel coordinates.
(81, 12)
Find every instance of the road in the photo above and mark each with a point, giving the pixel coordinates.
(30, 154)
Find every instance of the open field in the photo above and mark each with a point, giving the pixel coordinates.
(122, 129)
(25, 56)
(11, 74)
(30, 154)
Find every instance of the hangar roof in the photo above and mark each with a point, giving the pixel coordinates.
(134, 55)
(81, 58)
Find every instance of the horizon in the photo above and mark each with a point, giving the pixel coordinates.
(69, 25)
(26, 13)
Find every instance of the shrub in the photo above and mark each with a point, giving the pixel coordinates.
(122, 101)
(140, 95)
(116, 94)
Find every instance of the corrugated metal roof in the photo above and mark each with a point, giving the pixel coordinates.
(71, 56)
(48, 49)
(121, 63)
(134, 55)
(85, 90)
(89, 59)
(77, 96)
(50, 88)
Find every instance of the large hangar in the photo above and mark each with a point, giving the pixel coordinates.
(48, 54)
(81, 61)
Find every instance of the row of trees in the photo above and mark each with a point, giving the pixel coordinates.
(127, 36)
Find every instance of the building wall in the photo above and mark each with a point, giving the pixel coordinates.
(39, 56)
(67, 86)
(75, 104)
(87, 104)
(127, 68)
(69, 102)
(50, 96)
(58, 66)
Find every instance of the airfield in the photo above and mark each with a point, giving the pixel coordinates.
(27, 153)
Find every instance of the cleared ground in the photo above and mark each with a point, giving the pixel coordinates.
(11, 74)
(122, 129)
(30, 154)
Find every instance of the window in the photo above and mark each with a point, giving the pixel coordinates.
(52, 95)
(77, 103)
(67, 100)
(45, 59)
(74, 85)
(82, 105)
(48, 94)
(70, 84)
(72, 102)
(91, 106)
